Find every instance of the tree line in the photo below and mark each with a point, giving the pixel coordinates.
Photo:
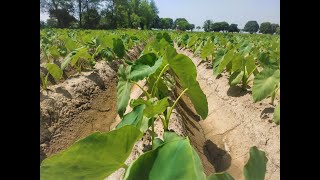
(108, 14)
(250, 26)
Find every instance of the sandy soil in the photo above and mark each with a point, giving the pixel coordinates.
(235, 123)
(75, 108)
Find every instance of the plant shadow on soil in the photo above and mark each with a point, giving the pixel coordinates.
(236, 91)
(219, 158)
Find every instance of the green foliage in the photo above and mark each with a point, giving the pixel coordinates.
(91, 19)
(233, 28)
(266, 28)
(265, 83)
(93, 157)
(207, 25)
(187, 76)
(123, 89)
(118, 48)
(160, 162)
(55, 71)
(276, 114)
(181, 24)
(251, 27)
(255, 169)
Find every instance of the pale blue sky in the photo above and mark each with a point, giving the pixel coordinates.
(232, 11)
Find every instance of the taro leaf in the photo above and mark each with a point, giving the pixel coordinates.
(67, 60)
(80, 53)
(133, 118)
(220, 176)
(225, 61)
(255, 169)
(123, 89)
(238, 62)
(164, 163)
(53, 50)
(264, 83)
(93, 157)
(207, 50)
(55, 71)
(217, 61)
(187, 76)
(70, 44)
(118, 47)
(139, 101)
(236, 78)
(156, 108)
(250, 64)
(144, 67)
(276, 115)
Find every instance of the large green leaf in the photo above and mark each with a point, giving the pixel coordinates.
(184, 68)
(133, 118)
(144, 67)
(237, 62)
(225, 61)
(123, 89)
(53, 51)
(164, 163)
(156, 108)
(264, 83)
(55, 71)
(94, 157)
(236, 78)
(255, 169)
(118, 47)
(207, 50)
(70, 44)
(276, 114)
(220, 176)
(82, 53)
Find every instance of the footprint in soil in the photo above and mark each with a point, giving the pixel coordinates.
(219, 158)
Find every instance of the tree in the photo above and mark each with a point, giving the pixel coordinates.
(233, 28)
(216, 27)
(62, 10)
(198, 27)
(135, 19)
(166, 23)
(181, 24)
(91, 19)
(156, 22)
(278, 30)
(207, 25)
(224, 26)
(251, 27)
(191, 27)
(274, 28)
(42, 24)
(52, 22)
(265, 28)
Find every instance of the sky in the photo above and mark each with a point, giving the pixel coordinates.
(231, 11)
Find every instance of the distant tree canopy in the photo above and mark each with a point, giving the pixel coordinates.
(207, 25)
(106, 14)
(181, 24)
(191, 27)
(265, 28)
(233, 28)
(198, 27)
(278, 30)
(274, 28)
(251, 27)
(166, 23)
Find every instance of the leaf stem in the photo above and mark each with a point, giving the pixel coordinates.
(171, 108)
(158, 78)
(152, 135)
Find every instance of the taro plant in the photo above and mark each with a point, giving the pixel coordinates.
(171, 157)
(54, 71)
